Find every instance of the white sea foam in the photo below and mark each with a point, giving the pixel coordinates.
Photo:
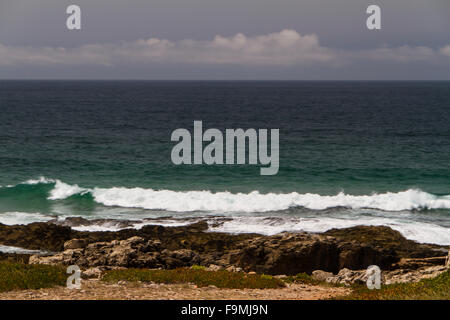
(9, 249)
(114, 227)
(414, 230)
(418, 231)
(12, 218)
(187, 201)
(256, 202)
(63, 191)
(252, 212)
(40, 180)
(94, 228)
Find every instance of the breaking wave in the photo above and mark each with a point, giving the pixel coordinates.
(187, 201)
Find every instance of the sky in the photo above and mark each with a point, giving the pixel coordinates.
(225, 40)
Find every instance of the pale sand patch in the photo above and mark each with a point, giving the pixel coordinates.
(98, 290)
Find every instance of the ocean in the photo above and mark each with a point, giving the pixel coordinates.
(351, 153)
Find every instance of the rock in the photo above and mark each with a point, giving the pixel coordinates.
(234, 269)
(321, 275)
(387, 239)
(447, 260)
(291, 254)
(134, 252)
(417, 263)
(169, 247)
(95, 272)
(67, 257)
(287, 254)
(214, 267)
(354, 255)
(36, 236)
(51, 237)
(51, 260)
(75, 244)
(348, 277)
(179, 258)
(415, 275)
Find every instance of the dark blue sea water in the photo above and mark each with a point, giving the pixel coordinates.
(350, 153)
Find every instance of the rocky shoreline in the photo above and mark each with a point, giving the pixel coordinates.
(337, 256)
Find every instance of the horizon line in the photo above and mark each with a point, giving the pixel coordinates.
(233, 80)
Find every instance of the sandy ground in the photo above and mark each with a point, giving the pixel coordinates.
(98, 290)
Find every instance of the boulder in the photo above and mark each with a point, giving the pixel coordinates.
(348, 277)
(234, 269)
(214, 267)
(134, 252)
(95, 272)
(355, 255)
(75, 244)
(68, 257)
(286, 254)
(321, 275)
(382, 237)
(303, 252)
(36, 236)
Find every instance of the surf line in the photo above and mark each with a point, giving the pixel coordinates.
(235, 140)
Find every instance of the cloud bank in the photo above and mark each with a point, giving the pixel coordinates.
(284, 48)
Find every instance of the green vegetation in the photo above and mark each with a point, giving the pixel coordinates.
(198, 276)
(305, 278)
(302, 278)
(427, 289)
(19, 276)
(197, 267)
(266, 277)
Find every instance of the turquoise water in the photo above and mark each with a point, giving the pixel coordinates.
(350, 153)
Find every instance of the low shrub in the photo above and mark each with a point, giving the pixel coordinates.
(19, 276)
(198, 276)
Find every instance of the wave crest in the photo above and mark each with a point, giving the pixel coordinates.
(185, 201)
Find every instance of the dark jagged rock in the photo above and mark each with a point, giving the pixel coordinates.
(48, 236)
(36, 236)
(134, 252)
(354, 255)
(169, 247)
(287, 254)
(388, 239)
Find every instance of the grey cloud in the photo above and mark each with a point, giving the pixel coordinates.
(284, 48)
(445, 51)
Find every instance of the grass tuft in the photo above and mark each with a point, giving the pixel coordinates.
(19, 276)
(198, 276)
(197, 267)
(303, 278)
